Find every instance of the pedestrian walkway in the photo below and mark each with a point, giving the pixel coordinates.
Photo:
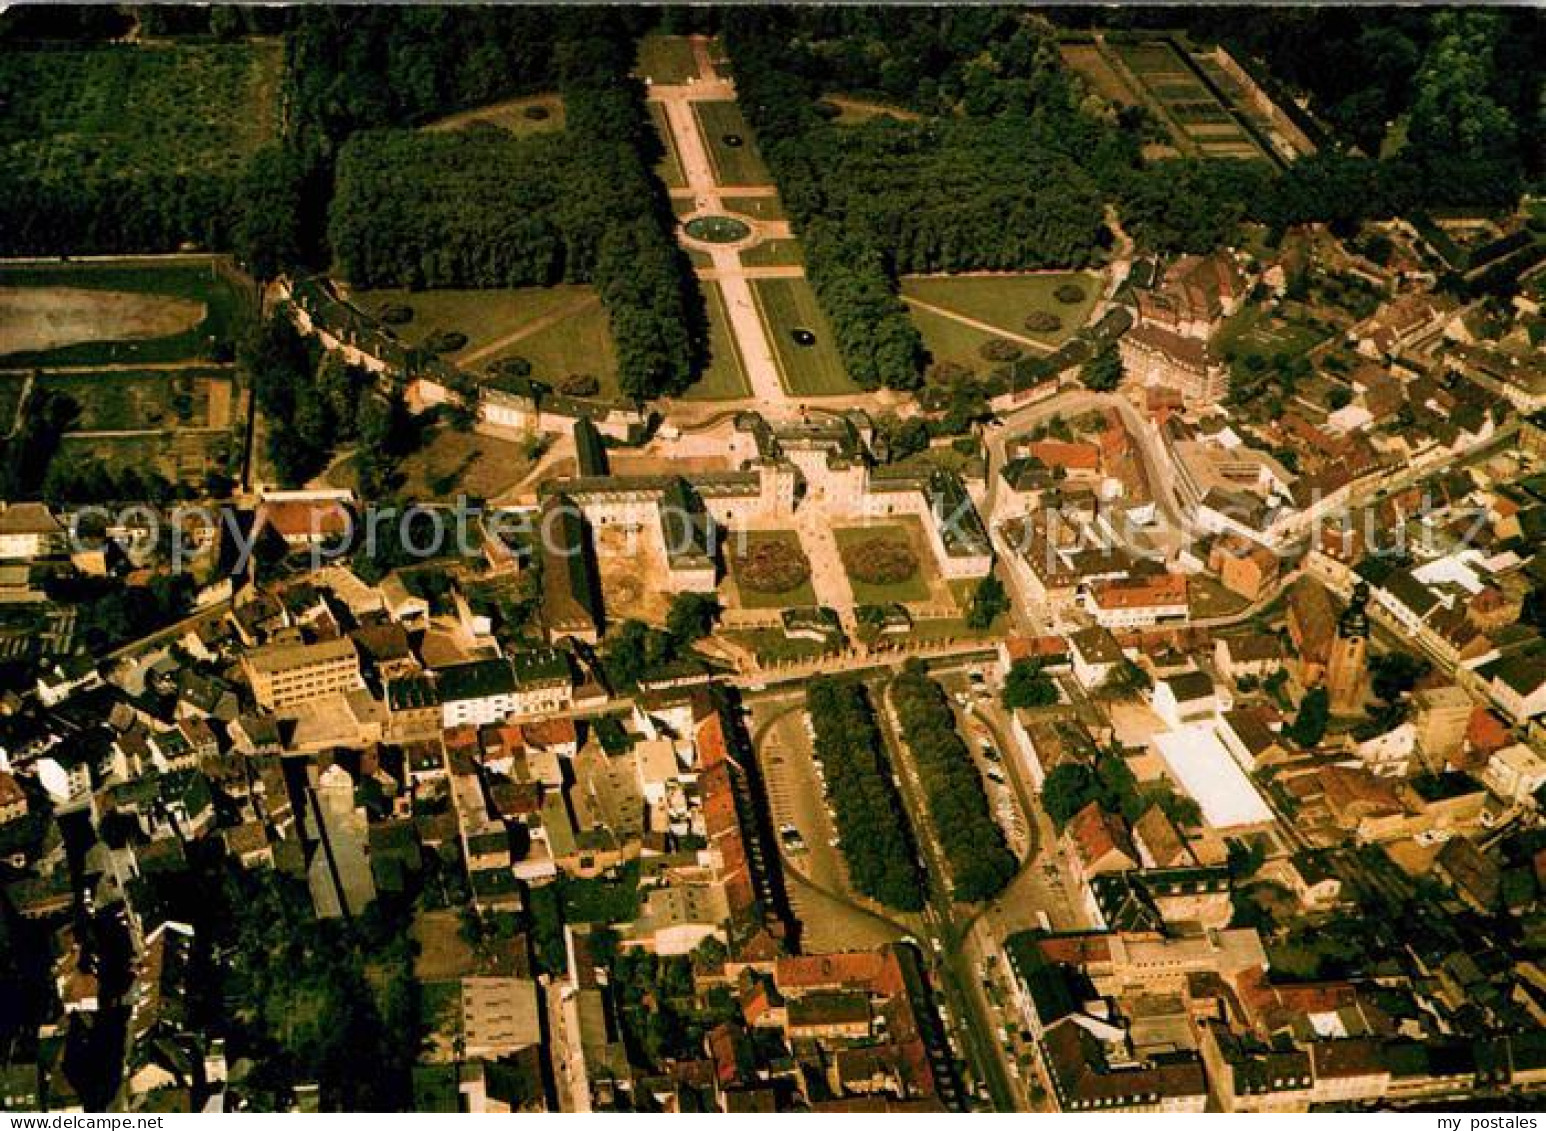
(725, 269)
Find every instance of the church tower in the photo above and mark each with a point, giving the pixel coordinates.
(1348, 666)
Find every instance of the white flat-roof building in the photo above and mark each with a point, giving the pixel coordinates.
(1198, 759)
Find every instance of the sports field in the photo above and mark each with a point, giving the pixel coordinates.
(814, 370)
(721, 124)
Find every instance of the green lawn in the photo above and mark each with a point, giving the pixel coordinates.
(561, 330)
(723, 378)
(771, 646)
(758, 207)
(666, 59)
(117, 110)
(774, 253)
(1005, 300)
(949, 340)
(733, 164)
(669, 169)
(913, 588)
(1254, 331)
(485, 316)
(803, 594)
(522, 117)
(578, 343)
(812, 371)
(226, 308)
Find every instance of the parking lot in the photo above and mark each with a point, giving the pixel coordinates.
(832, 915)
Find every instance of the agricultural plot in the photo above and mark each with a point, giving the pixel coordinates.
(1199, 121)
(732, 149)
(802, 340)
(180, 456)
(142, 400)
(1087, 60)
(122, 110)
(723, 377)
(118, 313)
(1047, 307)
(521, 117)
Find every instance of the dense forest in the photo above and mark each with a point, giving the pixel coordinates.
(483, 209)
(980, 862)
(1012, 157)
(870, 820)
(996, 186)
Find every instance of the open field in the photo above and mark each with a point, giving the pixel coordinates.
(38, 319)
(127, 110)
(580, 342)
(11, 386)
(443, 954)
(484, 316)
(814, 370)
(733, 164)
(912, 588)
(535, 114)
(632, 574)
(745, 542)
(120, 312)
(449, 463)
(669, 168)
(857, 111)
(666, 59)
(1004, 301)
(724, 378)
(144, 400)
